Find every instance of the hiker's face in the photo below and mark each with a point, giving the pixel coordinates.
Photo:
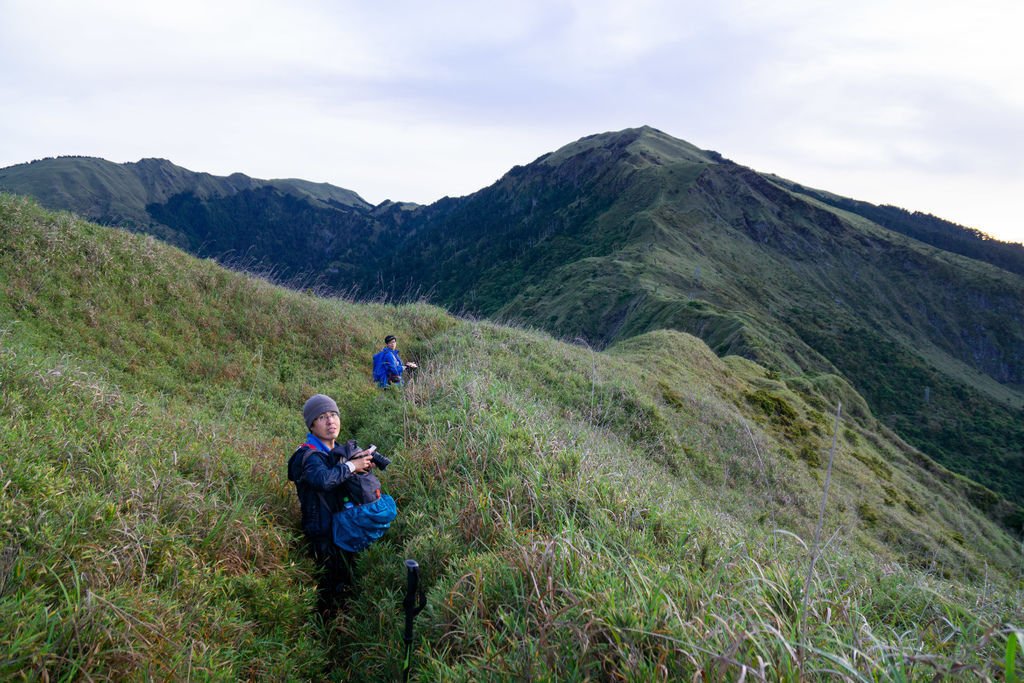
(393, 344)
(326, 427)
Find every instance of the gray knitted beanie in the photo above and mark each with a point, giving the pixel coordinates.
(317, 405)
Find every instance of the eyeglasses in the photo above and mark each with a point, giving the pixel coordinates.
(327, 416)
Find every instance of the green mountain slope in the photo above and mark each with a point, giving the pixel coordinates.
(630, 232)
(926, 228)
(624, 233)
(578, 514)
(119, 194)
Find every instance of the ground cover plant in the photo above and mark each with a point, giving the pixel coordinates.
(634, 231)
(578, 515)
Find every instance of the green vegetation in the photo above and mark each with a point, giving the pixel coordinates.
(620, 234)
(578, 514)
(926, 228)
(123, 194)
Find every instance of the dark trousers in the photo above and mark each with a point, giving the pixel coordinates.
(335, 567)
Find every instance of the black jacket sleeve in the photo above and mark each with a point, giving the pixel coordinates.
(323, 477)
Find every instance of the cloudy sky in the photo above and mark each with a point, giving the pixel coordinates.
(913, 103)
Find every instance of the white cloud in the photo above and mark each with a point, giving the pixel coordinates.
(412, 101)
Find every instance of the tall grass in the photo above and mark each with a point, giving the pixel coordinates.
(587, 562)
(577, 515)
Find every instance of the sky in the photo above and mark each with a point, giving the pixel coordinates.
(905, 102)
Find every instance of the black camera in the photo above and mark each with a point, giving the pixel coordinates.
(353, 451)
(379, 460)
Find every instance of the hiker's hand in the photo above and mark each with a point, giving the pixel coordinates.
(362, 464)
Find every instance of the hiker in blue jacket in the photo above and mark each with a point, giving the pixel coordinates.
(319, 469)
(387, 364)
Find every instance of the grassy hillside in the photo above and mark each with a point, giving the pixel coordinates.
(620, 234)
(122, 194)
(623, 233)
(578, 515)
(929, 229)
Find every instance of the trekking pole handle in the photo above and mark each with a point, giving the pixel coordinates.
(415, 600)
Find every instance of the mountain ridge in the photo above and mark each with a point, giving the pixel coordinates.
(118, 193)
(649, 521)
(622, 233)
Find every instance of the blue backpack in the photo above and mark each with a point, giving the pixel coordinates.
(355, 528)
(383, 375)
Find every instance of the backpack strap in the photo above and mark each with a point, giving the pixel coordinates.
(310, 450)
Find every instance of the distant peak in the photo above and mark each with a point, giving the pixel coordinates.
(645, 144)
(151, 163)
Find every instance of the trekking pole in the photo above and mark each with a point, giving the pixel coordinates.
(414, 603)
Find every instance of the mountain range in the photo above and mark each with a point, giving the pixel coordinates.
(701, 519)
(645, 508)
(621, 234)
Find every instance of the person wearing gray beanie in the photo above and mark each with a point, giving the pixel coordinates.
(317, 405)
(320, 467)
